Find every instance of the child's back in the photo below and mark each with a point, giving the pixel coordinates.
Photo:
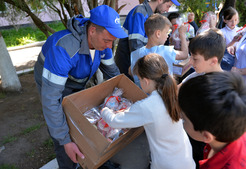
(159, 113)
(169, 144)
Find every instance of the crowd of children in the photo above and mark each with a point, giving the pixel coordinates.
(212, 100)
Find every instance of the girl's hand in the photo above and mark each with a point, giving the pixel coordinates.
(231, 50)
(237, 38)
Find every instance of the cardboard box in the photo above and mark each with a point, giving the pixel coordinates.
(96, 148)
(181, 68)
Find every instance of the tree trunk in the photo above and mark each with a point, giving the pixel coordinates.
(10, 80)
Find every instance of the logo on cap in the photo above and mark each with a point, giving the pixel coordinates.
(117, 20)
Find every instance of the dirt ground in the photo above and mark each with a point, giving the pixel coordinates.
(24, 139)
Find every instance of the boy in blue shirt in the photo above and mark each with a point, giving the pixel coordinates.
(157, 28)
(134, 26)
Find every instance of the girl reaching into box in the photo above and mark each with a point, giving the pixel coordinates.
(159, 114)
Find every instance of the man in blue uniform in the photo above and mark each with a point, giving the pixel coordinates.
(134, 26)
(66, 63)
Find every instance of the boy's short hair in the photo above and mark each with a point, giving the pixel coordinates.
(155, 22)
(216, 102)
(209, 43)
(173, 15)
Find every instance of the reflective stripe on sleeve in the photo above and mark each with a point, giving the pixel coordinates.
(138, 37)
(53, 77)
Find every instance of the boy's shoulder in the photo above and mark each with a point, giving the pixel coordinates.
(192, 75)
(232, 156)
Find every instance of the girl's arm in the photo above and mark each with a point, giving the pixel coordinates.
(234, 40)
(128, 119)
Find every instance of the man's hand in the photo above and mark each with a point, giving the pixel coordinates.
(71, 150)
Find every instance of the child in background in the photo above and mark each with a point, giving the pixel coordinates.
(157, 27)
(240, 62)
(208, 21)
(214, 112)
(177, 20)
(191, 20)
(159, 114)
(232, 36)
(230, 28)
(207, 50)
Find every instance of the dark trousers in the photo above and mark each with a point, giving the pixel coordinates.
(62, 158)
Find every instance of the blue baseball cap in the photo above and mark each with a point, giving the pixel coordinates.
(107, 17)
(176, 2)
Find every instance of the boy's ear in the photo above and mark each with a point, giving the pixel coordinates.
(158, 33)
(207, 137)
(214, 60)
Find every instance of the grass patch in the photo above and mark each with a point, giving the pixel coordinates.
(48, 143)
(7, 166)
(26, 35)
(31, 129)
(9, 139)
(51, 156)
(31, 153)
(2, 95)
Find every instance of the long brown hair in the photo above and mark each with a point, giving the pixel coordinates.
(154, 67)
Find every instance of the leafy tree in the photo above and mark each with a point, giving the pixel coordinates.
(64, 8)
(199, 7)
(241, 8)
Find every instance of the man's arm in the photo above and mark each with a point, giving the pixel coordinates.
(107, 65)
(136, 32)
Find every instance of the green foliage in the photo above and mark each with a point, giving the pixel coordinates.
(199, 7)
(241, 8)
(7, 166)
(2, 6)
(25, 35)
(48, 143)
